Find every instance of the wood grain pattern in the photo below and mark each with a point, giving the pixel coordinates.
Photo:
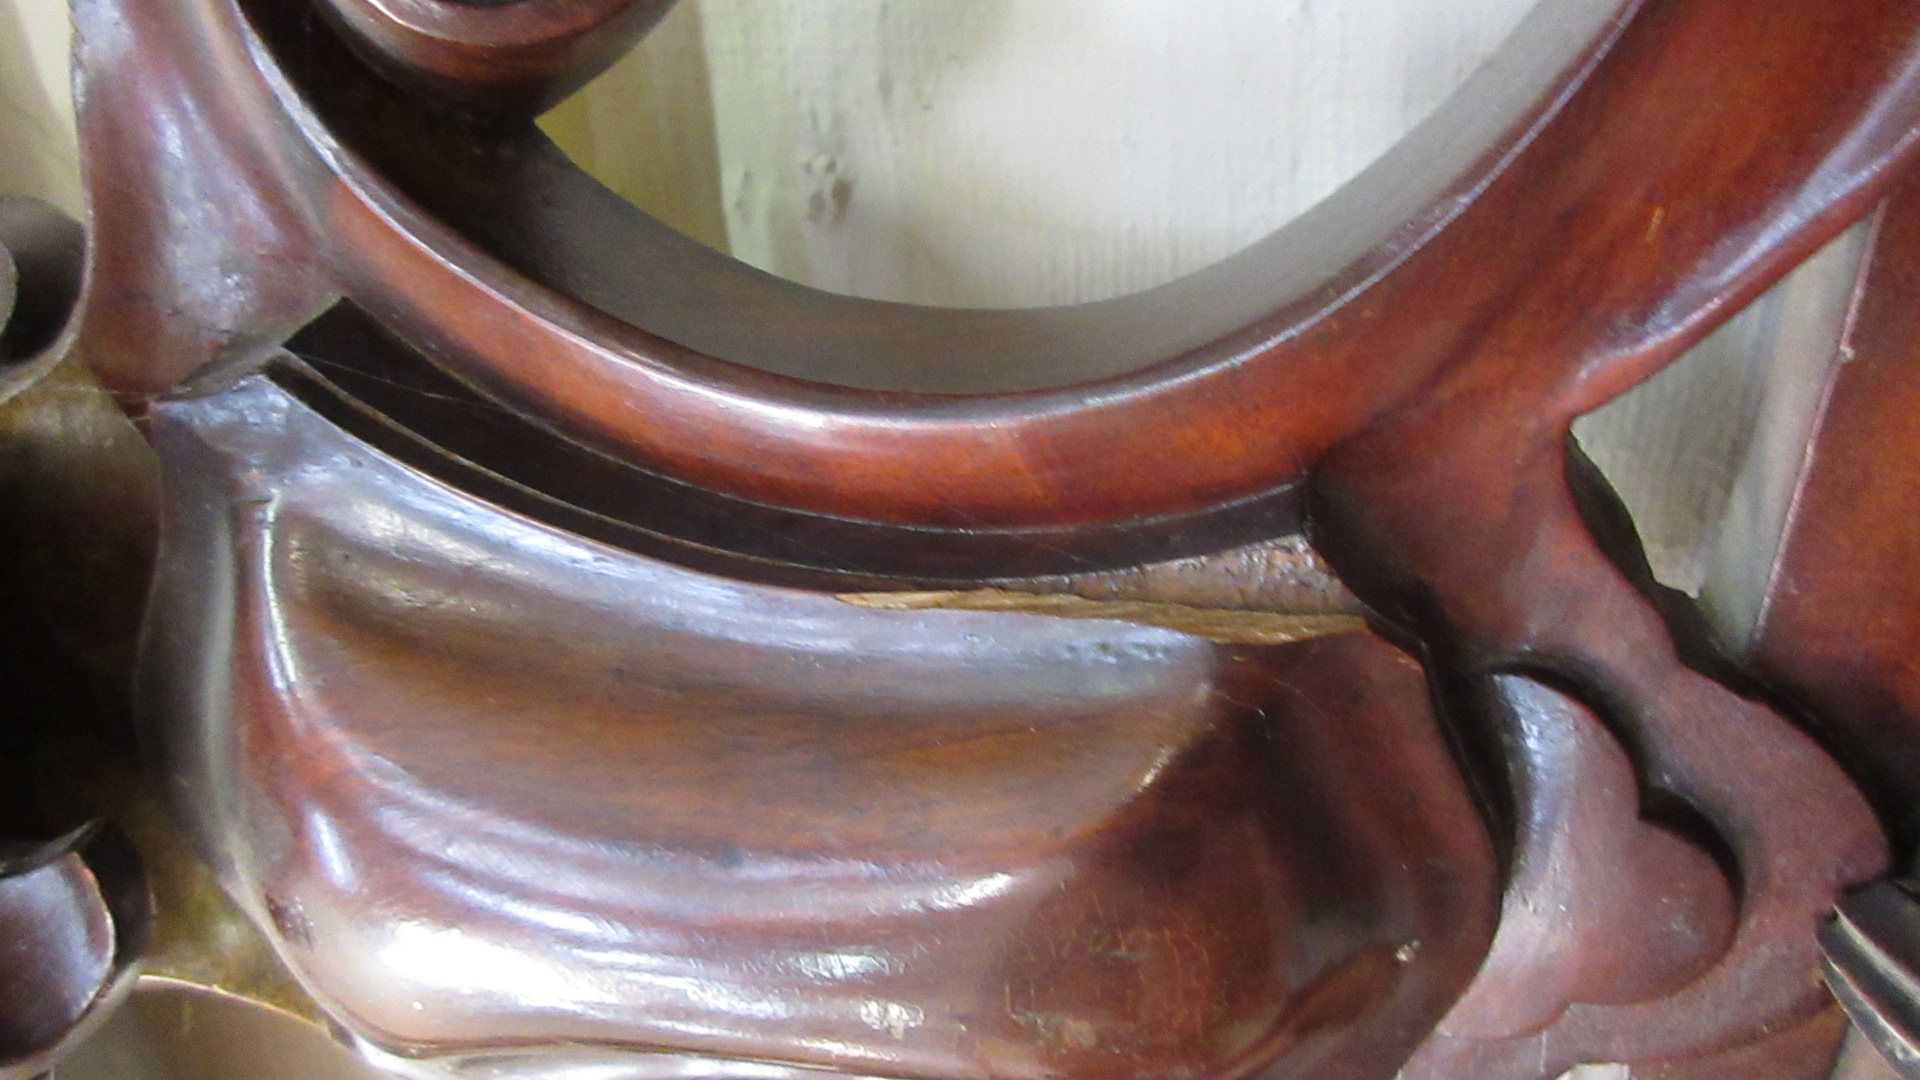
(440, 416)
(757, 824)
(971, 465)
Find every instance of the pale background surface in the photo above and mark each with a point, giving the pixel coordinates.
(1005, 153)
(36, 109)
(1001, 153)
(1025, 152)
(1009, 153)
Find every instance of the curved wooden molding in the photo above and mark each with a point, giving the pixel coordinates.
(75, 922)
(1616, 175)
(1505, 574)
(1840, 626)
(1601, 907)
(491, 786)
(421, 729)
(518, 57)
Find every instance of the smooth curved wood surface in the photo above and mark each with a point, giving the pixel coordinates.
(1838, 628)
(519, 57)
(59, 957)
(74, 921)
(446, 425)
(1505, 575)
(1602, 907)
(1840, 624)
(758, 824)
(1623, 179)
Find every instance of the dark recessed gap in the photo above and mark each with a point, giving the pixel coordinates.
(1406, 613)
(48, 251)
(361, 376)
(1480, 748)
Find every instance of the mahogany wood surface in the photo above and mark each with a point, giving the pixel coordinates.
(64, 961)
(1210, 425)
(758, 824)
(1842, 621)
(494, 661)
(519, 57)
(1807, 1051)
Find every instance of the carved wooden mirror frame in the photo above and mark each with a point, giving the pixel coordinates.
(551, 646)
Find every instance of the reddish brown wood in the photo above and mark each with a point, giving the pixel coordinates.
(1243, 414)
(1807, 1051)
(757, 824)
(59, 958)
(1838, 627)
(498, 775)
(1602, 908)
(1282, 378)
(514, 56)
(1842, 622)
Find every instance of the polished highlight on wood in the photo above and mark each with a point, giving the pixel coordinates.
(575, 650)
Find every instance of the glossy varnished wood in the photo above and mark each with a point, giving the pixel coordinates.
(1842, 621)
(75, 921)
(513, 57)
(495, 660)
(1838, 629)
(1625, 181)
(758, 824)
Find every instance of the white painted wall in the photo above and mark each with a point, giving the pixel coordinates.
(37, 155)
(1009, 153)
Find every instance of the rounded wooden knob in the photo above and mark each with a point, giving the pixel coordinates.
(497, 57)
(76, 915)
